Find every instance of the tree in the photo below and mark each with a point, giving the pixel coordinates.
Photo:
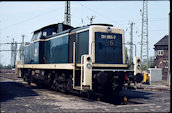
(5, 67)
(151, 64)
(1, 66)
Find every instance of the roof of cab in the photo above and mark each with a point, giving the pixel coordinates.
(51, 25)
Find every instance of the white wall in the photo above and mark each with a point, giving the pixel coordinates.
(155, 74)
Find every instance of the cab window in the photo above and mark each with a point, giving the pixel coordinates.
(36, 36)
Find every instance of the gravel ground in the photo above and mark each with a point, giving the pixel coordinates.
(18, 96)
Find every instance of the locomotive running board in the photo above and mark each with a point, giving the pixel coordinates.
(94, 65)
(84, 89)
(114, 70)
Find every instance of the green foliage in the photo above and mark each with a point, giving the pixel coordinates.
(5, 67)
(1, 66)
(150, 64)
(144, 67)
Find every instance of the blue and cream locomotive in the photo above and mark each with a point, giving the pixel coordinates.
(87, 59)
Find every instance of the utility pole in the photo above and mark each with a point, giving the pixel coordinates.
(12, 52)
(15, 53)
(131, 42)
(67, 16)
(21, 50)
(91, 19)
(144, 52)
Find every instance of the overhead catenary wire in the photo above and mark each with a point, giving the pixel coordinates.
(31, 18)
(100, 14)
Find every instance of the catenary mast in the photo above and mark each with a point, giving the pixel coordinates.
(144, 52)
(67, 16)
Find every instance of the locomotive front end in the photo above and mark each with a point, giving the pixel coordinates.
(110, 70)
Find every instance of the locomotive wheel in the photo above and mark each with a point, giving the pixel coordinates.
(49, 80)
(39, 85)
(69, 85)
(24, 78)
(28, 77)
(29, 83)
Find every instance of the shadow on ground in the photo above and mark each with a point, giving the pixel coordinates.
(135, 95)
(132, 96)
(10, 90)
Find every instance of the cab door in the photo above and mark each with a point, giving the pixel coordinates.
(72, 38)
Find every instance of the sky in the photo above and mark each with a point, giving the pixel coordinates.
(22, 18)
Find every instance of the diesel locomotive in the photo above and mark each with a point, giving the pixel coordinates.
(86, 59)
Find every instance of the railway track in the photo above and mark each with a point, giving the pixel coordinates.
(8, 77)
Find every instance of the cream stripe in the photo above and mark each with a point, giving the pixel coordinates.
(57, 36)
(123, 46)
(47, 66)
(106, 65)
(82, 30)
(65, 66)
(35, 41)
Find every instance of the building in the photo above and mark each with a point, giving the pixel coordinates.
(161, 56)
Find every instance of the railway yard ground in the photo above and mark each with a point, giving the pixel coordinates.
(18, 96)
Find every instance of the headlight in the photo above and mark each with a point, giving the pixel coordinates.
(88, 65)
(109, 29)
(138, 67)
(88, 59)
